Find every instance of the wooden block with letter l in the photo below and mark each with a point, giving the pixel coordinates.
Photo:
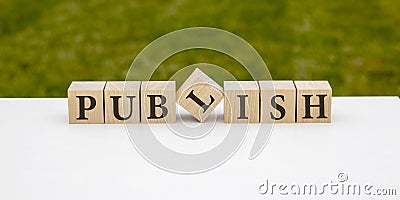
(122, 102)
(314, 101)
(85, 102)
(278, 102)
(241, 103)
(199, 95)
(158, 102)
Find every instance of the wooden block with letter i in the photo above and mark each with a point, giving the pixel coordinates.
(199, 95)
(314, 101)
(158, 102)
(278, 102)
(85, 102)
(241, 104)
(122, 102)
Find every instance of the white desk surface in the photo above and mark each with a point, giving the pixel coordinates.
(43, 157)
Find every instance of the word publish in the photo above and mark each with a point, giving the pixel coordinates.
(112, 102)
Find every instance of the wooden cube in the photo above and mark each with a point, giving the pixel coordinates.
(85, 102)
(278, 102)
(199, 95)
(314, 101)
(241, 103)
(158, 102)
(122, 102)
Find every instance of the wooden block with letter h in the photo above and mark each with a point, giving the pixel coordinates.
(158, 102)
(199, 95)
(241, 104)
(122, 102)
(85, 102)
(278, 102)
(314, 101)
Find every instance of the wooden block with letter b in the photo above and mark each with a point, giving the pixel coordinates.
(278, 102)
(199, 95)
(122, 102)
(241, 103)
(314, 101)
(158, 102)
(85, 102)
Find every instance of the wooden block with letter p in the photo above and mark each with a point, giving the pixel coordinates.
(158, 102)
(241, 104)
(122, 102)
(278, 102)
(85, 102)
(314, 101)
(199, 95)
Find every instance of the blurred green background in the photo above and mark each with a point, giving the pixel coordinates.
(44, 45)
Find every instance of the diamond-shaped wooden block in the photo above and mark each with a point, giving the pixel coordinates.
(199, 95)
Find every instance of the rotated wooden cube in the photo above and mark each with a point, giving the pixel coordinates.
(199, 95)
(85, 102)
(122, 102)
(314, 101)
(158, 102)
(278, 102)
(241, 103)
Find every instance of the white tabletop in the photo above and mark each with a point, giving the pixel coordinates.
(43, 157)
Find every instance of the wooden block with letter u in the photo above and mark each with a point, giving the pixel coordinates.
(241, 104)
(314, 101)
(122, 102)
(158, 102)
(85, 102)
(278, 102)
(199, 95)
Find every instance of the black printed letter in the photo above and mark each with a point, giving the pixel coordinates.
(116, 110)
(82, 108)
(153, 106)
(278, 107)
(308, 106)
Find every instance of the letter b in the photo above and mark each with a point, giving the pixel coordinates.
(158, 102)
(153, 106)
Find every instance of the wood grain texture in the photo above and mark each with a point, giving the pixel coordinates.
(90, 95)
(241, 103)
(275, 96)
(311, 95)
(202, 88)
(158, 90)
(125, 94)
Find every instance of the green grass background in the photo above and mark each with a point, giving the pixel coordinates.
(44, 45)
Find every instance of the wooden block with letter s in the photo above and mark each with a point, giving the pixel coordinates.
(314, 101)
(122, 102)
(278, 102)
(85, 102)
(158, 102)
(199, 95)
(241, 103)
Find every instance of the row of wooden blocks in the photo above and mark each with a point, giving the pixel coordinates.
(155, 101)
